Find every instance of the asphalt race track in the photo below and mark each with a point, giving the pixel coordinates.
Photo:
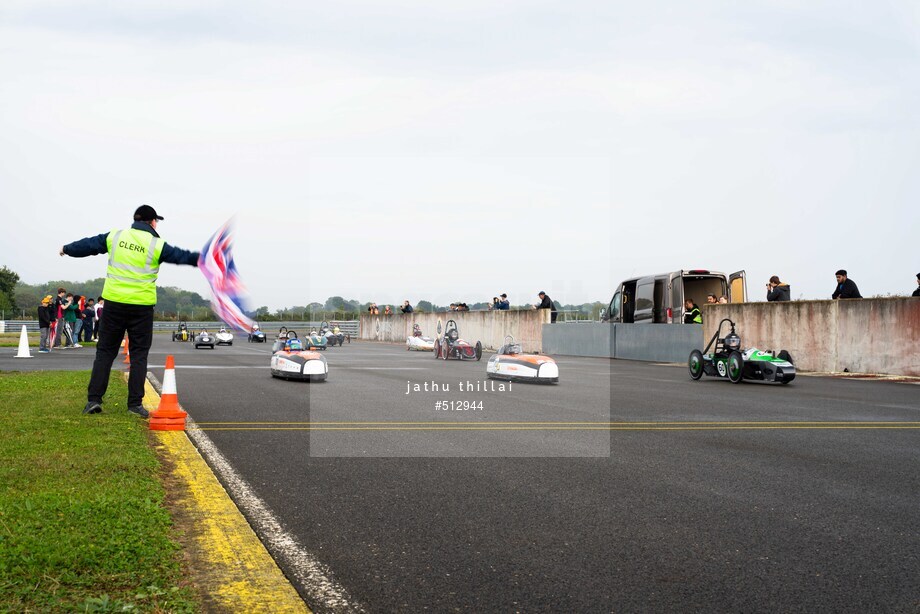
(629, 488)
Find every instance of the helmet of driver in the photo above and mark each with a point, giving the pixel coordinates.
(732, 342)
(293, 345)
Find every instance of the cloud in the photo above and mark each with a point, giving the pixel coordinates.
(596, 130)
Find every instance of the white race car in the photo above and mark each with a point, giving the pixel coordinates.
(204, 339)
(224, 337)
(512, 364)
(419, 342)
(290, 360)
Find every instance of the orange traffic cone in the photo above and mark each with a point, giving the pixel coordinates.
(127, 353)
(168, 416)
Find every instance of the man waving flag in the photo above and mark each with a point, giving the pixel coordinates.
(227, 289)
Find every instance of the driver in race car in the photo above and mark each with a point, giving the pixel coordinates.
(293, 345)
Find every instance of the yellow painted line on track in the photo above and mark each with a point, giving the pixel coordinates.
(555, 426)
(239, 575)
(560, 423)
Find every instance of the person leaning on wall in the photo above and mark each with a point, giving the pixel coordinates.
(777, 291)
(917, 291)
(846, 287)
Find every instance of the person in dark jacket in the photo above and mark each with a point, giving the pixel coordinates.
(45, 318)
(547, 303)
(504, 304)
(406, 307)
(846, 288)
(777, 291)
(130, 293)
(917, 291)
(89, 315)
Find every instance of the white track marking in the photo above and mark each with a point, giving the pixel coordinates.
(312, 574)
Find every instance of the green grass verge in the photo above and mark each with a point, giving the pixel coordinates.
(11, 340)
(83, 527)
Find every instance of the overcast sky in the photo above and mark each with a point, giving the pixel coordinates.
(454, 151)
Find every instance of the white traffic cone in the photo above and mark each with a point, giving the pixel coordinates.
(23, 344)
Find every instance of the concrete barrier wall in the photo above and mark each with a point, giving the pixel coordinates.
(859, 335)
(594, 339)
(657, 342)
(489, 327)
(650, 342)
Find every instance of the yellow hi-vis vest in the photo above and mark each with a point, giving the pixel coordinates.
(134, 261)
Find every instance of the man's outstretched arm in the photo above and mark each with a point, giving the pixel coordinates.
(177, 255)
(90, 246)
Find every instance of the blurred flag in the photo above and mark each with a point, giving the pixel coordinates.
(228, 293)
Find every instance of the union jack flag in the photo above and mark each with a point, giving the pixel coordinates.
(228, 294)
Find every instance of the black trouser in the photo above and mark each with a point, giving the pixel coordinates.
(137, 321)
(87, 331)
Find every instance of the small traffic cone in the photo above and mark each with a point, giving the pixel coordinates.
(127, 353)
(168, 416)
(23, 344)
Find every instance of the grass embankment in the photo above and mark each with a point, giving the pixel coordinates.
(83, 525)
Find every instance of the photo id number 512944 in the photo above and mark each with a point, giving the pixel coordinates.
(458, 406)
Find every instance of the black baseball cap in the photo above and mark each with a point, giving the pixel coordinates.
(145, 213)
(841, 272)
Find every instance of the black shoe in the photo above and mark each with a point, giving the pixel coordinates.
(92, 408)
(139, 410)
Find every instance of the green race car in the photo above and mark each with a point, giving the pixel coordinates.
(729, 361)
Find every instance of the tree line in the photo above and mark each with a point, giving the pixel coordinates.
(18, 299)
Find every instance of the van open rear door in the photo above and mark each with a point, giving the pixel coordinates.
(737, 287)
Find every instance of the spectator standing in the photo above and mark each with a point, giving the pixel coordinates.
(692, 313)
(777, 291)
(89, 326)
(917, 291)
(406, 307)
(723, 300)
(100, 304)
(135, 255)
(711, 299)
(386, 310)
(70, 321)
(78, 305)
(45, 318)
(846, 287)
(547, 303)
(504, 304)
(494, 304)
(57, 307)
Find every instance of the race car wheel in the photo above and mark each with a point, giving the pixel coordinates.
(735, 367)
(478, 350)
(784, 355)
(436, 350)
(445, 349)
(695, 364)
